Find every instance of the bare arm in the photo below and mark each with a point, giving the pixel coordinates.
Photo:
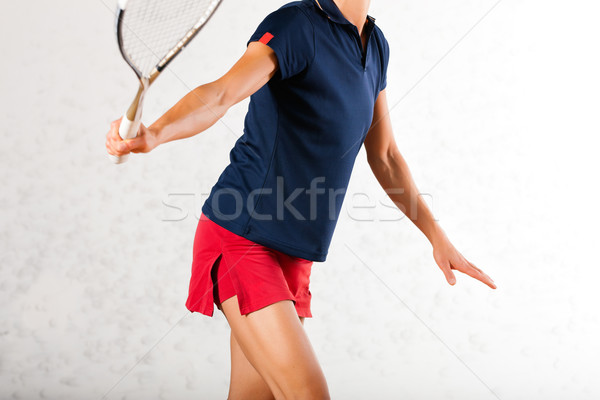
(393, 174)
(203, 106)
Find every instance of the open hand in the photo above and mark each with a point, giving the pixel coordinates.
(448, 258)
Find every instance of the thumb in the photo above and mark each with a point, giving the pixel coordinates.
(447, 270)
(135, 143)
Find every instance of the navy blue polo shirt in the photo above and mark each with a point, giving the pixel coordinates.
(289, 171)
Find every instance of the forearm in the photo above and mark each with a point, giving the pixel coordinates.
(395, 178)
(194, 113)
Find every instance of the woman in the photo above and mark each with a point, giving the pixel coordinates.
(316, 74)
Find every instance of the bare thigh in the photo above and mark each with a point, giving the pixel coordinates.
(245, 382)
(276, 345)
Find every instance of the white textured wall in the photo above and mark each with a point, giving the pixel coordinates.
(502, 134)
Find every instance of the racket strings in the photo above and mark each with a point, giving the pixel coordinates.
(150, 29)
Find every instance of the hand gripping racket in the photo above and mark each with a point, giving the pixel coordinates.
(150, 34)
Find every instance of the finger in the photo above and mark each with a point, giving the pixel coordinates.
(112, 151)
(117, 148)
(122, 147)
(482, 273)
(113, 139)
(468, 268)
(135, 144)
(474, 266)
(447, 270)
(110, 147)
(114, 130)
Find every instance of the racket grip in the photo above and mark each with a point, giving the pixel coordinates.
(127, 130)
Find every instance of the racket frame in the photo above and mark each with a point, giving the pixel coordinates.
(131, 119)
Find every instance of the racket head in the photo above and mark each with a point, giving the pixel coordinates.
(150, 33)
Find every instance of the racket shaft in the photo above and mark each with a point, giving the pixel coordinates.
(131, 120)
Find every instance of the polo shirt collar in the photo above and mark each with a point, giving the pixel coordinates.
(332, 11)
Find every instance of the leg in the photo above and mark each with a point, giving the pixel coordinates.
(277, 348)
(245, 382)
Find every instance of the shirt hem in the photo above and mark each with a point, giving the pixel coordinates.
(264, 240)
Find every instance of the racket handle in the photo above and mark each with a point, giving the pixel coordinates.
(127, 130)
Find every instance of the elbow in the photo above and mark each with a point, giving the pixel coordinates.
(219, 100)
(383, 159)
(226, 93)
(379, 163)
(224, 98)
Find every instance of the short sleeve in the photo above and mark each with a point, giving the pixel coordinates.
(385, 60)
(290, 33)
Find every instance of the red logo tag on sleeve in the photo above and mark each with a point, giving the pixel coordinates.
(266, 38)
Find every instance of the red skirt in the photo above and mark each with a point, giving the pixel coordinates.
(226, 264)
